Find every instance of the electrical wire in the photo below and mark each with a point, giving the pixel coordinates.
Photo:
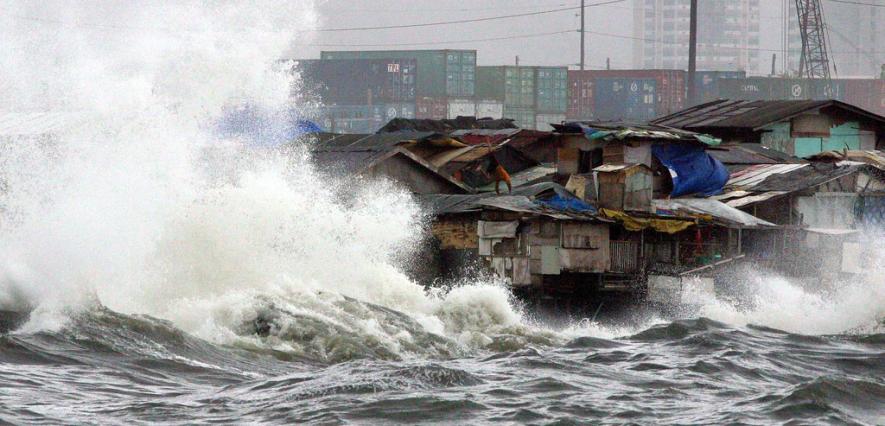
(463, 21)
(431, 43)
(858, 3)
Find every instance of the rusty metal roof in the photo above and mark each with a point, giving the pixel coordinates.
(752, 115)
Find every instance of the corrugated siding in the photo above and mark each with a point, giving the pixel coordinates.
(624, 256)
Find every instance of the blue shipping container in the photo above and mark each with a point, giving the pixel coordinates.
(624, 99)
(609, 98)
(641, 99)
(359, 81)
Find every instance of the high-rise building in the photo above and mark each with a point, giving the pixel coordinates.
(857, 38)
(728, 34)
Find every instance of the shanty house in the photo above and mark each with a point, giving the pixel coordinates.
(798, 128)
(677, 159)
(472, 163)
(383, 156)
(624, 186)
(820, 207)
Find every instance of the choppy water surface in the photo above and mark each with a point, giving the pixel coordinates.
(112, 368)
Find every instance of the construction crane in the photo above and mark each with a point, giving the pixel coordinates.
(814, 62)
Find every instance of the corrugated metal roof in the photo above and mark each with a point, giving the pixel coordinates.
(355, 161)
(750, 177)
(720, 211)
(748, 114)
(39, 123)
(622, 131)
(748, 154)
(374, 142)
(442, 203)
(875, 158)
(767, 181)
(527, 176)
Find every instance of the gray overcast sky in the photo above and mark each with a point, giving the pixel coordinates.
(559, 49)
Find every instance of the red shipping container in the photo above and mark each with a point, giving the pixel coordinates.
(580, 96)
(431, 108)
(868, 94)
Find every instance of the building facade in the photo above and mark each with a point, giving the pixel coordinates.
(728, 34)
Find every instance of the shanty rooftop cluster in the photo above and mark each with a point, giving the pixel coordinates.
(620, 207)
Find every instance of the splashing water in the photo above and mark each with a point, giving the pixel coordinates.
(146, 211)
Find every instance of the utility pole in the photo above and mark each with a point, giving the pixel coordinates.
(692, 51)
(582, 35)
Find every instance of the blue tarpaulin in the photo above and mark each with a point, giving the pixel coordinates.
(264, 127)
(693, 170)
(563, 200)
(558, 202)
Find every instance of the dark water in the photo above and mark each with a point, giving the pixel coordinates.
(110, 368)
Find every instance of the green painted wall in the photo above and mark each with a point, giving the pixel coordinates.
(777, 137)
(803, 147)
(848, 134)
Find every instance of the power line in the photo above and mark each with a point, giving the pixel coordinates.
(430, 43)
(343, 29)
(858, 3)
(457, 9)
(464, 21)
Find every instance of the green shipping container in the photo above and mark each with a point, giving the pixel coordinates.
(545, 89)
(551, 84)
(522, 117)
(440, 73)
(515, 86)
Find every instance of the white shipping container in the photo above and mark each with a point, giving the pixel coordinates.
(461, 107)
(542, 121)
(490, 109)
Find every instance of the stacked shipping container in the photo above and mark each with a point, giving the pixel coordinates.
(441, 73)
(551, 96)
(363, 89)
(632, 95)
(360, 95)
(526, 94)
(359, 82)
(444, 77)
(706, 83)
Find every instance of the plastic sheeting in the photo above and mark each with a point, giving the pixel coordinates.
(567, 203)
(633, 223)
(709, 209)
(693, 170)
(263, 127)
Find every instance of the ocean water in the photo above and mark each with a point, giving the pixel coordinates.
(172, 274)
